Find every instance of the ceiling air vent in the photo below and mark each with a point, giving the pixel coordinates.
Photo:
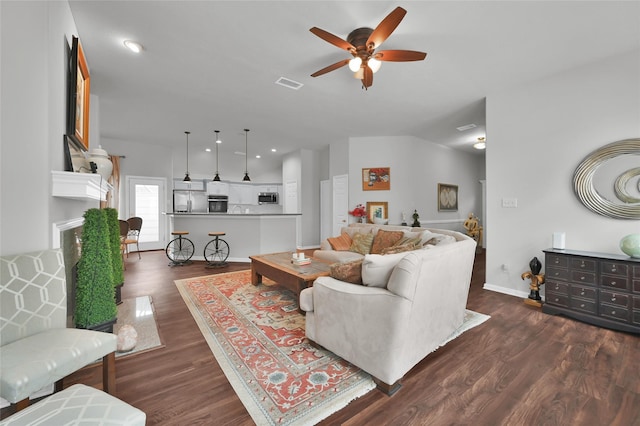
(467, 127)
(289, 83)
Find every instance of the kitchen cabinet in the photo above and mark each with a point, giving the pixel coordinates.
(217, 188)
(240, 193)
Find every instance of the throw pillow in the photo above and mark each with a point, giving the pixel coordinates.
(400, 249)
(361, 243)
(385, 239)
(377, 268)
(416, 241)
(350, 272)
(341, 243)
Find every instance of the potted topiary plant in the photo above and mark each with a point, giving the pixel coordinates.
(116, 253)
(95, 295)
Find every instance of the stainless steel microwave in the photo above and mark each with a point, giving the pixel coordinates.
(267, 198)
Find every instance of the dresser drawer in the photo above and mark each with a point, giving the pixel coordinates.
(588, 293)
(617, 299)
(556, 287)
(589, 306)
(615, 268)
(581, 264)
(583, 277)
(556, 299)
(614, 312)
(619, 283)
(557, 261)
(635, 286)
(636, 302)
(636, 317)
(636, 271)
(556, 273)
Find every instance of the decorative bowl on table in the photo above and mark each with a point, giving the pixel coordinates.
(380, 221)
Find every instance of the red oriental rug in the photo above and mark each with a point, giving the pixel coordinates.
(257, 336)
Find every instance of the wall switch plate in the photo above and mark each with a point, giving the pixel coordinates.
(510, 203)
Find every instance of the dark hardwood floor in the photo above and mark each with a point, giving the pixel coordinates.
(521, 367)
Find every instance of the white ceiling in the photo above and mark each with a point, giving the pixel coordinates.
(211, 65)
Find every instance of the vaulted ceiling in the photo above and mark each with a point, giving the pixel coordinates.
(213, 65)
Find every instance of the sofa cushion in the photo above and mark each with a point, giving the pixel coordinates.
(385, 239)
(350, 272)
(340, 243)
(377, 268)
(361, 243)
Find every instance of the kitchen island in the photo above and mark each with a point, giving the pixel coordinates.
(247, 234)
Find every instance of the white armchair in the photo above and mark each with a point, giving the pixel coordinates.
(386, 331)
(36, 347)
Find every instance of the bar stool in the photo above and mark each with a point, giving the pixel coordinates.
(180, 249)
(216, 251)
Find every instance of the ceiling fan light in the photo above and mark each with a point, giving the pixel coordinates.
(134, 46)
(374, 64)
(359, 74)
(355, 64)
(481, 144)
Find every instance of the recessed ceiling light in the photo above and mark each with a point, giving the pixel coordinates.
(273, 150)
(133, 46)
(257, 156)
(208, 149)
(481, 144)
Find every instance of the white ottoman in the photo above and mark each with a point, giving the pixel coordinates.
(78, 405)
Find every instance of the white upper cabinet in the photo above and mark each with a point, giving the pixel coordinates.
(217, 188)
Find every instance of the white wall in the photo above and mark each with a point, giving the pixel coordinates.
(537, 136)
(417, 166)
(35, 39)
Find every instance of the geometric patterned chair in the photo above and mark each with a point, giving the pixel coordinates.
(36, 347)
(135, 225)
(78, 405)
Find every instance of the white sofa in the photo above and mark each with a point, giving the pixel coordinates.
(388, 329)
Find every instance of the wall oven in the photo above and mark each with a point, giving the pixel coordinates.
(218, 203)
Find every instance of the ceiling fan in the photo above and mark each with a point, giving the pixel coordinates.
(362, 43)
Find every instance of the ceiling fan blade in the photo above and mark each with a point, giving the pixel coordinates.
(331, 68)
(335, 40)
(386, 27)
(367, 80)
(399, 55)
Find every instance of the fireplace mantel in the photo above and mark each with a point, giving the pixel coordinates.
(79, 186)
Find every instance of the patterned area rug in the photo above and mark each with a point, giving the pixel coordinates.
(257, 337)
(140, 313)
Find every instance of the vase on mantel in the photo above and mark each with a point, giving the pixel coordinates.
(630, 245)
(104, 166)
(363, 219)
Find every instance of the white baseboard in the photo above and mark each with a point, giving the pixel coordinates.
(506, 290)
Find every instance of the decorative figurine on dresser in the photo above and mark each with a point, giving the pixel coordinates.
(537, 279)
(597, 288)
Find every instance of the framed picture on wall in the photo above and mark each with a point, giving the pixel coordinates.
(376, 179)
(447, 197)
(78, 97)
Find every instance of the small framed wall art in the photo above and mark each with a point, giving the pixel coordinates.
(447, 197)
(78, 97)
(378, 212)
(376, 179)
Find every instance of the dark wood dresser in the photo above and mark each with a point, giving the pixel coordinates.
(597, 288)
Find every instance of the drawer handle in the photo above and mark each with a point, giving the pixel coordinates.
(613, 269)
(556, 300)
(613, 283)
(582, 265)
(557, 273)
(613, 312)
(613, 299)
(557, 287)
(582, 305)
(582, 293)
(582, 278)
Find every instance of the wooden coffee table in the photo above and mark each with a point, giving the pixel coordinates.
(278, 267)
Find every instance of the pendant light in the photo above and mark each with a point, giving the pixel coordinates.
(218, 141)
(246, 156)
(186, 176)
